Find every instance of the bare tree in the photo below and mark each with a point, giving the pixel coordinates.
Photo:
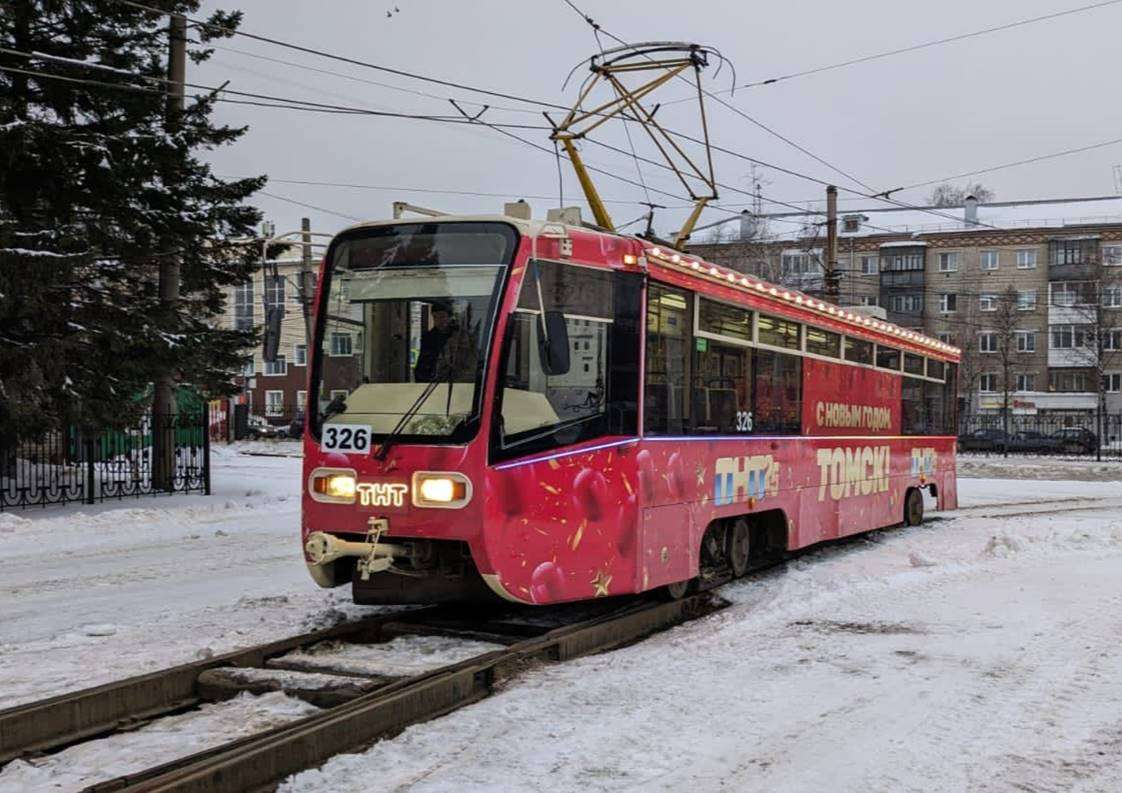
(1096, 308)
(971, 363)
(948, 195)
(1003, 322)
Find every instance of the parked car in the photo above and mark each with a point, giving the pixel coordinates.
(1031, 442)
(259, 428)
(1077, 440)
(984, 440)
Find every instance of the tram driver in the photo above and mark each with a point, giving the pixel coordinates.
(446, 350)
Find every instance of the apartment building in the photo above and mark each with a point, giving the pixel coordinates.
(1042, 279)
(275, 390)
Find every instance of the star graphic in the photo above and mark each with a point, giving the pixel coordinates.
(700, 475)
(600, 584)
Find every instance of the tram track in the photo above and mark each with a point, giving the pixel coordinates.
(363, 712)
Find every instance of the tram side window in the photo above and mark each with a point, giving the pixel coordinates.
(777, 383)
(668, 334)
(598, 393)
(722, 371)
(858, 351)
(913, 415)
(823, 342)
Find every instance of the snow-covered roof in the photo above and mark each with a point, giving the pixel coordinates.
(882, 220)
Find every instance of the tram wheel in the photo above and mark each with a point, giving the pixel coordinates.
(913, 507)
(739, 547)
(677, 590)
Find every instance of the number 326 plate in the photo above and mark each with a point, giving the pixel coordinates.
(346, 438)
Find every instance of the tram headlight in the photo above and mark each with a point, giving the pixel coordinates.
(332, 485)
(441, 490)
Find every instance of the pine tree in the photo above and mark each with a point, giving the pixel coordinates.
(93, 192)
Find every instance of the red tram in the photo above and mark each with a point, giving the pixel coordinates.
(551, 413)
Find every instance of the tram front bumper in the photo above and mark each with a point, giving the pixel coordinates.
(323, 549)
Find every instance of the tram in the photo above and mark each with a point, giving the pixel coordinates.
(545, 412)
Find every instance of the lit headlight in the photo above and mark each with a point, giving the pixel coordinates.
(441, 490)
(332, 485)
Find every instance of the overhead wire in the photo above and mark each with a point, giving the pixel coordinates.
(928, 44)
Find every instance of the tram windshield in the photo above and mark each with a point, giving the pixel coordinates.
(405, 324)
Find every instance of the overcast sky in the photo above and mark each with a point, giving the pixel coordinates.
(901, 120)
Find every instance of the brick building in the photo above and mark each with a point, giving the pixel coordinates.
(1043, 277)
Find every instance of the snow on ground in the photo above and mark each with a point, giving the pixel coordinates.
(1039, 467)
(976, 652)
(90, 594)
(973, 653)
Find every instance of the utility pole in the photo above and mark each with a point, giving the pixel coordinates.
(305, 272)
(163, 404)
(832, 276)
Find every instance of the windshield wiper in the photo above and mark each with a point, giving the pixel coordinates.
(411, 411)
(335, 407)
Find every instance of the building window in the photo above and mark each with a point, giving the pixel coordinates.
(851, 224)
(948, 262)
(990, 260)
(987, 302)
(945, 337)
(249, 369)
(1025, 382)
(342, 344)
(901, 262)
(243, 306)
(1026, 341)
(868, 265)
(907, 303)
(1112, 255)
(1112, 382)
(277, 366)
(987, 342)
(1112, 339)
(1067, 382)
(274, 403)
(987, 383)
(1070, 337)
(300, 355)
(868, 300)
(799, 264)
(1112, 296)
(1071, 251)
(948, 303)
(1072, 293)
(301, 400)
(1026, 260)
(1026, 300)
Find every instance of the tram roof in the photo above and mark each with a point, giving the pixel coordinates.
(694, 267)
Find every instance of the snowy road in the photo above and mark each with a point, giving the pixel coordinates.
(978, 652)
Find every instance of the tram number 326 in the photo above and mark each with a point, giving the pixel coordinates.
(345, 438)
(743, 421)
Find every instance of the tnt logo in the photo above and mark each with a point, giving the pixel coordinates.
(923, 461)
(381, 494)
(741, 478)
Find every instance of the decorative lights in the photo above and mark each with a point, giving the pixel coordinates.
(731, 277)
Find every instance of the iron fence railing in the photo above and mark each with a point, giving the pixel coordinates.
(70, 466)
(1069, 435)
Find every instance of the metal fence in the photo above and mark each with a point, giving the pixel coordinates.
(1056, 434)
(69, 466)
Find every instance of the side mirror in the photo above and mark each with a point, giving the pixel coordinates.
(274, 315)
(553, 343)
